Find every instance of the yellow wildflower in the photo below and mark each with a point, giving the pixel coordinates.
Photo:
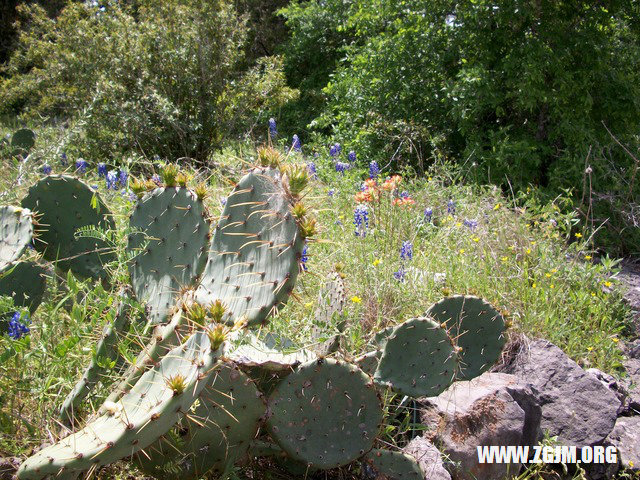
(528, 251)
(458, 224)
(376, 262)
(615, 339)
(462, 250)
(497, 206)
(308, 305)
(578, 235)
(476, 239)
(534, 285)
(504, 259)
(356, 299)
(587, 257)
(608, 284)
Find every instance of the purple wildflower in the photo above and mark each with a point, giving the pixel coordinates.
(374, 169)
(123, 177)
(352, 156)
(428, 214)
(472, 224)
(406, 251)
(296, 145)
(304, 257)
(451, 207)
(81, 165)
(399, 275)
(102, 170)
(155, 178)
(18, 329)
(63, 158)
(361, 220)
(342, 167)
(273, 130)
(311, 167)
(111, 180)
(46, 169)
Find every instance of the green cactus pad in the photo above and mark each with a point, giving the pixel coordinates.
(256, 248)
(368, 362)
(23, 140)
(247, 350)
(25, 282)
(217, 431)
(170, 226)
(478, 330)
(141, 416)
(62, 205)
(16, 232)
(107, 349)
(390, 465)
(325, 414)
(418, 359)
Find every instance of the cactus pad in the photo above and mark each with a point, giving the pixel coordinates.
(247, 350)
(418, 359)
(478, 330)
(23, 140)
(218, 430)
(171, 228)
(253, 259)
(390, 465)
(26, 282)
(325, 414)
(368, 362)
(64, 204)
(16, 231)
(141, 416)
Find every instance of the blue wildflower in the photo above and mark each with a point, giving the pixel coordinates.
(273, 130)
(223, 201)
(428, 214)
(46, 169)
(304, 257)
(361, 220)
(352, 156)
(81, 165)
(296, 145)
(331, 192)
(335, 150)
(341, 167)
(472, 224)
(102, 170)
(155, 178)
(18, 329)
(63, 158)
(311, 167)
(111, 180)
(406, 251)
(451, 207)
(374, 169)
(399, 275)
(123, 177)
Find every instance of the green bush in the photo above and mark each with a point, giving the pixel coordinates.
(158, 78)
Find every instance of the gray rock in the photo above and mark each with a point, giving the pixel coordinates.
(576, 406)
(492, 409)
(428, 457)
(632, 385)
(618, 388)
(626, 438)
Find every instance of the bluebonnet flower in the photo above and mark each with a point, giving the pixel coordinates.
(155, 178)
(472, 224)
(46, 169)
(273, 130)
(374, 169)
(112, 180)
(451, 207)
(331, 192)
(361, 220)
(352, 156)
(399, 275)
(17, 329)
(102, 170)
(296, 145)
(123, 177)
(335, 150)
(428, 214)
(342, 167)
(223, 201)
(63, 158)
(304, 257)
(406, 251)
(81, 165)
(311, 167)
(404, 194)
(133, 197)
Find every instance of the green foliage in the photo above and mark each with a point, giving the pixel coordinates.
(157, 78)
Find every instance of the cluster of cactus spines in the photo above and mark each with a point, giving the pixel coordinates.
(106, 348)
(418, 359)
(325, 414)
(477, 330)
(255, 252)
(171, 238)
(16, 233)
(218, 430)
(23, 140)
(161, 397)
(25, 282)
(64, 204)
(392, 465)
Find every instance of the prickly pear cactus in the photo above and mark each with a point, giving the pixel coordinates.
(418, 359)
(325, 414)
(368, 362)
(218, 430)
(247, 350)
(329, 318)
(23, 140)
(26, 282)
(256, 248)
(478, 330)
(159, 399)
(390, 465)
(63, 204)
(16, 232)
(171, 236)
(106, 349)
